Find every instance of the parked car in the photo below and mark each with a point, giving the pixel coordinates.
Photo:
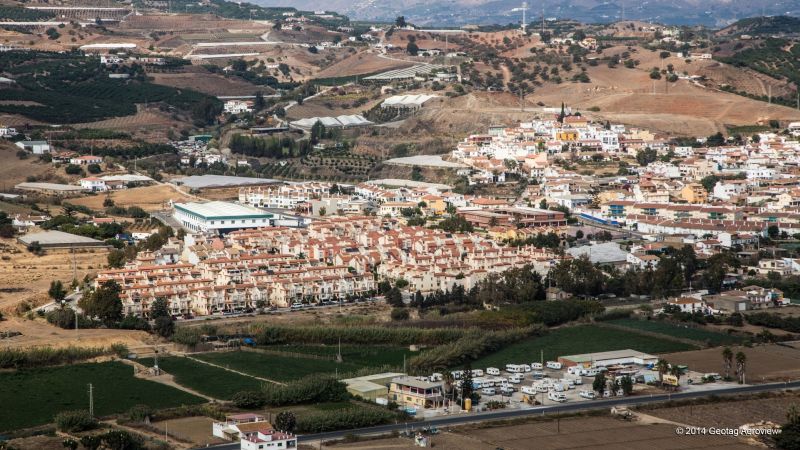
(588, 394)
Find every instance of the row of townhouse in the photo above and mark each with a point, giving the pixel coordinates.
(284, 196)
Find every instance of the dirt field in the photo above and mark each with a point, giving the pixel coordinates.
(593, 433)
(360, 64)
(14, 170)
(26, 277)
(201, 80)
(764, 362)
(726, 414)
(149, 198)
(194, 429)
(149, 124)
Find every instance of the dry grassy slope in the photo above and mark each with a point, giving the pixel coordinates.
(361, 63)
(149, 198)
(14, 170)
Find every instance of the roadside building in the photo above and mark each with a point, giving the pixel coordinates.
(602, 359)
(409, 391)
(35, 147)
(220, 217)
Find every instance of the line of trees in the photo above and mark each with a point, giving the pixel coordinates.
(273, 147)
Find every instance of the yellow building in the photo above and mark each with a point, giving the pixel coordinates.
(694, 193)
(409, 391)
(567, 135)
(435, 205)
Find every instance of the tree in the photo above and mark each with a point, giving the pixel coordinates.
(467, 385)
(57, 291)
(741, 360)
(164, 326)
(675, 371)
(73, 169)
(579, 234)
(94, 168)
(626, 383)
(159, 308)
(773, 231)
(259, 103)
(599, 383)
(91, 442)
(116, 258)
(789, 437)
(416, 173)
(70, 443)
(646, 156)
(412, 48)
(104, 303)
(400, 314)
(286, 421)
(543, 204)
(662, 366)
(394, 297)
(727, 361)
(400, 21)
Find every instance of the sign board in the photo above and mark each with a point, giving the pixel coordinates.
(671, 380)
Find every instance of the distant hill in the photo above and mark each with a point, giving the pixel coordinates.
(716, 13)
(757, 26)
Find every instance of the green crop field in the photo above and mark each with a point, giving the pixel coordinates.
(208, 380)
(359, 355)
(675, 330)
(33, 397)
(577, 340)
(274, 367)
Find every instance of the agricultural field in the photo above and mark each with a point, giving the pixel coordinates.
(725, 414)
(577, 340)
(149, 198)
(33, 397)
(678, 331)
(208, 380)
(275, 367)
(359, 355)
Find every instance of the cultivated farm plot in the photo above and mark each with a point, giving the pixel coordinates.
(208, 380)
(678, 331)
(577, 340)
(32, 397)
(274, 367)
(726, 414)
(359, 355)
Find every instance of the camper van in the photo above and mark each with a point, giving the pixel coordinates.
(507, 390)
(558, 387)
(590, 372)
(577, 380)
(574, 370)
(514, 368)
(488, 391)
(515, 379)
(530, 390)
(537, 375)
(569, 383)
(525, 367)
(457, 374)
(537, 366)
(557, 396)
(493, 371)
(588, 395)
(553, 365)
(477, 372)
(541, 388)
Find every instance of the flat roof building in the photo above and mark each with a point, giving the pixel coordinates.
(627, 356)
(220, 217)
(60, 239)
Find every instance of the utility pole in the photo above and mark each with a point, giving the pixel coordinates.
(91, 400)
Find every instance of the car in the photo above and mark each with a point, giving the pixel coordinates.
(588, 394)
(296, 306)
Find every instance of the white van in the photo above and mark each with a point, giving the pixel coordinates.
(530, 390)
(591, 395)
(488, 391)
(514, 368)
(537, 366)
(553, 365)
(557, 397)
(525, 367)
(493, 371)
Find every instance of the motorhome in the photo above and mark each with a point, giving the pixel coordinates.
(542, 388)
(568, 383)
(557, 396)
(574, 370)
(507, 390)
(537, 366)
(477, 372)
(515, 379)
(537, 375)
(488, 391)
(493, 371)
(577, 380)
(514, 368)
(590, 372)
(530, 390)
(558, 387)
(553, 365)
(526, 367)
(588, 394)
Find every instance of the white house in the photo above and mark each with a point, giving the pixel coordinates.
(93, 184)
(725, 189)
(7, 131)
(238, 106)
(86, 160)
(37, 147)
(267, 439)
(689, 305)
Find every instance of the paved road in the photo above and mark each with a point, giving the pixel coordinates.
(461, 419)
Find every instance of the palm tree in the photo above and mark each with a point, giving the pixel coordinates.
(676, 372)
(727, 358)
(448, 379)
(662, 366)
(741, 359)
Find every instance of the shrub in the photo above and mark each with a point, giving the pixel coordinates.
(343, 419)
(372, 335)
(47, 356)
(74, 421)
(307, 390)
(73, 169)
(249, 399)
(120, 349)
(140, 413)
(400, 314)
